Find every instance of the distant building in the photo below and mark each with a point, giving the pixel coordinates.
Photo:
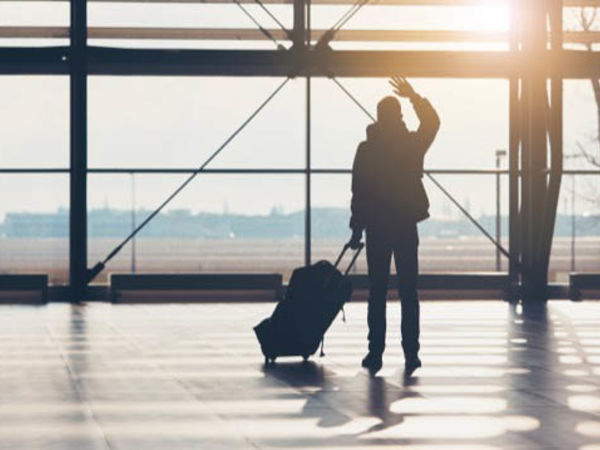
(326, 223)
(36, 224)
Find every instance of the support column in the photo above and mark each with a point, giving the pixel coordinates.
(534, 159)
(78, 150)
(301, 43)
(514, 118)
(307, 215)
(525, 211)
(299, 32)
(540, 188)
(555, 131)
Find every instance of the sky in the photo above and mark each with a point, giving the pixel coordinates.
(178, 121)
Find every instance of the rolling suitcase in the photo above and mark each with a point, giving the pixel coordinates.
(314, 297)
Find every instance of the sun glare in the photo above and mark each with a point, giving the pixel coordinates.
(492, 17)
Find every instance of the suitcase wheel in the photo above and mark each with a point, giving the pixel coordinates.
(269, 360)
(305, 357)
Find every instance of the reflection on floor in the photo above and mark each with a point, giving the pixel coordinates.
(191, 376)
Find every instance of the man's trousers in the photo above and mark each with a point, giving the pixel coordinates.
(403, 243)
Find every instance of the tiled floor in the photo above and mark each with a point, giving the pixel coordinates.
(191, 376)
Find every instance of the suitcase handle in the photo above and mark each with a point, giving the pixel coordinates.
(339, 259)
(354, 257)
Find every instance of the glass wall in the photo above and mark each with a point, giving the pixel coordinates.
(580, 26)
(229, 221)
(187, 25)
(178, 122)
(473, 113)
(393, 25)
(133, 146)
(34, 131)
(576, 246)
(34, 23)
(34, 225)
(146, 135)
(246, 223)
(34, 164)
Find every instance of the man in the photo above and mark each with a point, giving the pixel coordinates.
(388, 200)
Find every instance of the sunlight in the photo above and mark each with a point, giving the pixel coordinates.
(449, 405)
(588, 428)
(446, 427)
(582, 388)
(589, 403)
(487, 17)
(521, 423)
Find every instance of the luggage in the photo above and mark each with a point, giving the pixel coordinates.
(314, 297)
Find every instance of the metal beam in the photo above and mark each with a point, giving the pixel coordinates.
(112, 61)
(555, 136)
(34, 60)
(253, 34)
(344, 63)
(363, 63)
(78, 143)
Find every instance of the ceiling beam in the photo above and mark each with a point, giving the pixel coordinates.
(360, 63)
(252, 34)
(364, 63)
(34, 60)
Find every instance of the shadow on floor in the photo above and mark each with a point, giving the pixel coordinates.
(327, 399)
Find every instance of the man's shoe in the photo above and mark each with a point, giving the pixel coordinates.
(411, 364)
(372, 362)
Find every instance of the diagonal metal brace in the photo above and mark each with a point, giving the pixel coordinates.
(259, 26)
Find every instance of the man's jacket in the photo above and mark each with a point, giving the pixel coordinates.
(387, 175)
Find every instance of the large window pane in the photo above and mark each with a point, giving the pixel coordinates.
(34, 225)
(34, 121)
(330, 218)
(220, 223)
(580, 117)
(581, 26)
(576, 246)
(186, 25)
(44, 23)
(180, 121)
(459, 22)
(448, 241)
(452, 243)
(34, 134)
(473, 113)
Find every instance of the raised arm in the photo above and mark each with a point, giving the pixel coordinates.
(429, 121)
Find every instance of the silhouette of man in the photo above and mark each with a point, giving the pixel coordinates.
(388, 200)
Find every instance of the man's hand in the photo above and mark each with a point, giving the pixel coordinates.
(354, 242)
(402, 88)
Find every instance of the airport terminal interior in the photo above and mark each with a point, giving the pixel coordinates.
(174, 171)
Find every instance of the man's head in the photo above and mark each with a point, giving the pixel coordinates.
(389, 112)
